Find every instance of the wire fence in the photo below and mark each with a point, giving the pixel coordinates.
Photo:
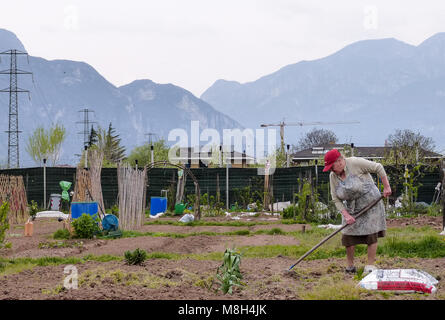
(285, 183)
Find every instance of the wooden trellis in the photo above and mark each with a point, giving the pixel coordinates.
(83, 184)
(12, 189)
(88, 185)
(132, 187)
(96, 159)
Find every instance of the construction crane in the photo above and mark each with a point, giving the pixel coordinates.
(282, 124)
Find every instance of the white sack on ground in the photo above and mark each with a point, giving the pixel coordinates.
(399, 280)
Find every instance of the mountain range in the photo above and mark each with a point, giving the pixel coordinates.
(60, 89)
(384, 84)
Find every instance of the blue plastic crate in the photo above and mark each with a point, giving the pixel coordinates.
(78, 208)
(157, 205)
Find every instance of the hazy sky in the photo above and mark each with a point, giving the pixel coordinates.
(192, 43)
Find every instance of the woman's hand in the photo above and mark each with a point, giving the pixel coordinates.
(349, 219)
(387, 191)
(386, 188)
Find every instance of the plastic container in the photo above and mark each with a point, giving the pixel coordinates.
(110, 222)
(77, 208)
(179, 208)
(29, 229)
(157, 205)
(54, 202)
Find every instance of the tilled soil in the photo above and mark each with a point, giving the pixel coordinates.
(187, 278)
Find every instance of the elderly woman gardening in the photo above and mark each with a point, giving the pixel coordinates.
(352, 188)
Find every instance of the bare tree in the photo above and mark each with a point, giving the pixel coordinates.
(316, 137)
(406, 139)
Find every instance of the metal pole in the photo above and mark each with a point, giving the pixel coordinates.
(86, 158)
(316, 173)
(227, 186)
(44, 183)
(287, 156)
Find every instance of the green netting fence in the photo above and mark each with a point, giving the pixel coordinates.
(285, 182)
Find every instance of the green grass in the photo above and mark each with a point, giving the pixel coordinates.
(329, 289)
(244, 232)
(133, 234)
(201, 223)
(425, 247)
(62, 234)
(11, 266)
(273, 231)
(408, 242)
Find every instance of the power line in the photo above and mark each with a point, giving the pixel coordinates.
(13, 90)
(86, 126)
(42, 98)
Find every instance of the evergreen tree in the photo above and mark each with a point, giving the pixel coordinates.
(93, 139)
(109, 143)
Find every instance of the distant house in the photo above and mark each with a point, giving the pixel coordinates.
(303, 157)
(203, 159)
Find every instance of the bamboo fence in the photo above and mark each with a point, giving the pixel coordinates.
(96, 160)
(12, 189)
(83, 184)
(132, 189)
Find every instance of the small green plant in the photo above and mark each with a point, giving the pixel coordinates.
(62, 234)
(235, 208)
(33, 208)
(115, 210)
(275, 231)
(50, 245)
(136, 257)
(4, 223)
(360, 274)
(243, 196)
(291, 212)
(204, 199)
(434, 210)
(86, 226)
(412, 189)
(228, 274)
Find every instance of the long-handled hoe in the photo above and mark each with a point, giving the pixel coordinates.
(357, 215)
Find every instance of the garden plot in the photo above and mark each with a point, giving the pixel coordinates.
(182, 261)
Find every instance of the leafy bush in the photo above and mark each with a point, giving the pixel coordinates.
(291, 212)
(434, 210)
(4, 223)
(136, 257)
(33, 208)
(62, 234)
(85, 227)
